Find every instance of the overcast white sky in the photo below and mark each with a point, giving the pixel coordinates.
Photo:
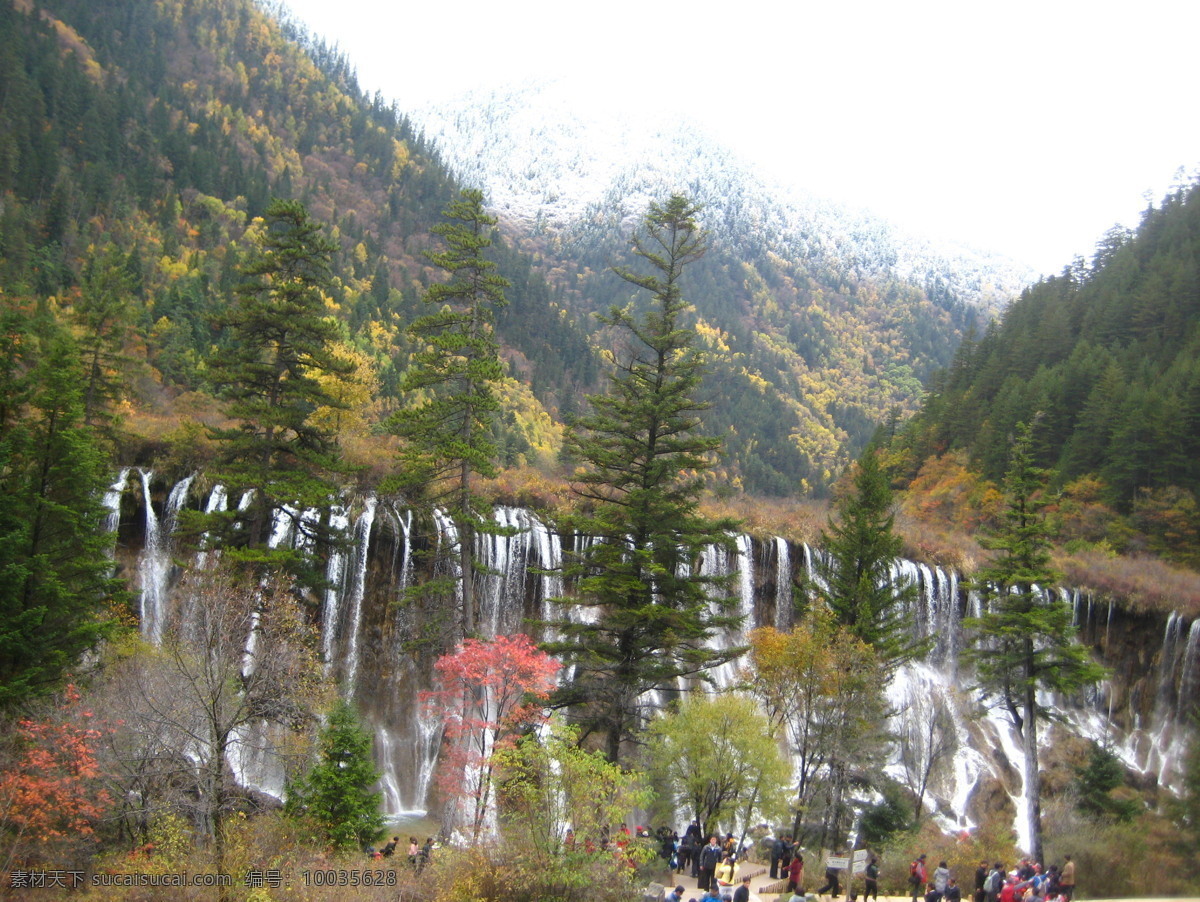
(1027, 127)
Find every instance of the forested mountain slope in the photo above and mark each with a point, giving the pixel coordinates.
(144, 138)
(1105, 360)
(821, 319)
(141, 141)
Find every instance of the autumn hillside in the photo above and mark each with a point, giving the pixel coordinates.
(140, 142)
(1104, 361)
(146, 138)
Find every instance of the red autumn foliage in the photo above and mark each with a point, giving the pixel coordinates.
(52, 791)
(487, 692)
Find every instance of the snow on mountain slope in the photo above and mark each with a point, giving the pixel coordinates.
(553, 160)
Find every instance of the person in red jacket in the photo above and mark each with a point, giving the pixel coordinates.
(795, 872)
(1008, 892)
(918, 877)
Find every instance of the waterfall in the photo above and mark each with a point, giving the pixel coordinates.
(370, 645)
(218, 500)
(406, 562)
(550, 557)
(112, 502)
(504, 559)
(954, 622)
(447, 533)
(362, 536)
(1190, 676)
(905, 573)
(254, 760)
(283, 524)
(335, 573)
(784, 610)
(155, 570)
(407, 738)
(1167, 662)
(745, 564)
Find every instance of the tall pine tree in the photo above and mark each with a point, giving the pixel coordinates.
(57, 593)
(281, 342)
(1025, 637)
(859, 583)
(641, 463)
(449, 432)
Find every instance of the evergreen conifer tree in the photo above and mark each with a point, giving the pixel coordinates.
(338, 792)
(281, 342)
(57, 592)
(641, 460)
(449, 432)
(1025, 637)
(103, 314)
(858, 582)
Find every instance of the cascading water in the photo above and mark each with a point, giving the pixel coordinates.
(156, 563)
(362, 535)
(1190, 679)
(784, 608)
(386, 679)
(112, 502)
(335, 574)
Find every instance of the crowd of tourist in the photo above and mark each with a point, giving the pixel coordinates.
(1027, 882)
(715, 864)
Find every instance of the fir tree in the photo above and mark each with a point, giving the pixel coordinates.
(1025, 637)
(449, 433)
(1095, 782)
(281, 342)
(104, 315)
(57, 594)
(338, 792)
(859, 583)
(641, 472)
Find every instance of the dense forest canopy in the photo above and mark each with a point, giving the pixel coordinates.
(154, 135)
(1104, 361)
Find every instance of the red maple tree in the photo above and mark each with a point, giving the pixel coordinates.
(487, 692)
(51, 794)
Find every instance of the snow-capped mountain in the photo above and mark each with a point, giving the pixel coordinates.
(822, 320)
(554, 161)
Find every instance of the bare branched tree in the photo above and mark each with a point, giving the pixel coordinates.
(207, 710)
(928, 738)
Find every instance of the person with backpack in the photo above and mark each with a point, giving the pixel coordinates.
(668, 848)
(918, 876)
(726, 874)
(994, 883)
